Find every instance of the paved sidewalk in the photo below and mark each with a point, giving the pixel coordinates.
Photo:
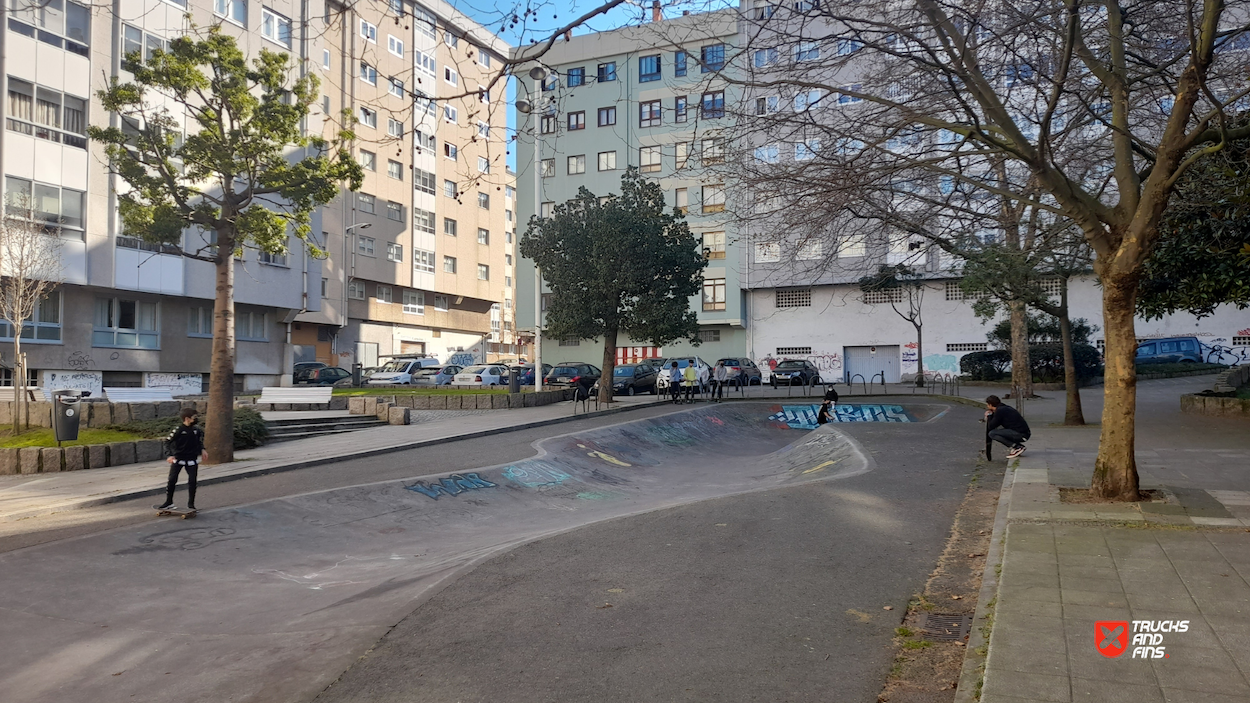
(1067, 566)
(40, 494)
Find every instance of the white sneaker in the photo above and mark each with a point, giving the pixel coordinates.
(1015, 451)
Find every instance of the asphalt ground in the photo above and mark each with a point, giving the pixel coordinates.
(768, 596)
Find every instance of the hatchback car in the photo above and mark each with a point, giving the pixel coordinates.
(664, 365)
(1169, 351)
(303, 368)
(526, 372)
(399, 372)
(632, 379)
(325, 376)
(795, 372)
(742, 371)
(572, 374)
(484, 375)
(436, 375)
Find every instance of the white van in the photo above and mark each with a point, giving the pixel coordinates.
(398, 372)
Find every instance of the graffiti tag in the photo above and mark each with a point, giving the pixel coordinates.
(803, 417)
(453, 485)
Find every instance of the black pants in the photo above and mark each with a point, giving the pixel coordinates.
(1006, 437)
(718, 389)
(690, 392)
(675, 387)
(193, 468)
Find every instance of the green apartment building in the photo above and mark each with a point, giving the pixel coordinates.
(644, 96)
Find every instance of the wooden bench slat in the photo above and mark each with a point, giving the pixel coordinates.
(280, 394)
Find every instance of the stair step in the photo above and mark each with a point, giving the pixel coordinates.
(327, 424)
(343, 420)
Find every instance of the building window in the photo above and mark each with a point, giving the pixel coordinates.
(712, 151)
(806, 51)
(200, 321)
(714, 245)
(395, 170)
(423, 260)
(271, 258)
(649, 159)
(882, 296)
(570, 341)
(767, 154)
(607, 116)
(423, 180)
(681, 200)
(682, 152)
(450, 150)
(577, 120)
(483, 272)
(394, 252)
(397, 87)
(848, 99)
(576, 77)
(794, 298)
(714, 198)
(547, 210)
(649, 114)
(368, 73)
(713, 294)
(275, 27)
(449, 189)
(810, 251)
(368, 32)
(968, 347)
(767, 105)
(451, 40)
(577, 164)
(449, 264)
(58, 210)
(679, 63)
(368, 118)
(507, 281)
(414, 302)
(483, 59)
(806, 151)
(368, 160)
(709, 335)
(607, 72)
(356, 290)
(763, 58)
(1240, 341)
(125, 323)
(547, 124)
(44, 325)
(325, 59)
(325, 284)
(607, 161)
(395, 45)
(851, 247)
(451, 114)
(483, 236)
(679, 108)
(713, 105)
(507, 259)
(233, 10)
(793, 351)
(648, 68)
(450, 75)
(47, 114)
(483, 201)
(366, 202)
(547, 168)
(712, 57)
(251, 326)
(382, 294)
(365, 245)
(449, 226)
(767, 252)
(442, 303)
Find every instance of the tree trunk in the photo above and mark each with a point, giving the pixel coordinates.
(219, 424)
(1115, 470)
(919, 357)
(1021, 366)
(19, 379)
(609, 364)
(1072, 414)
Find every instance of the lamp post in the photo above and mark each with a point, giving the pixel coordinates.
(530, 107)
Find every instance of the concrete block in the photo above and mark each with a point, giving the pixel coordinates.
(97, 456)
(398, 415)
(121, 453)
(75, 458)
(168, 408)
(52, 459)
(499, 401)
(1190, 404)
(9, 465)
(121, 413)
(386, 399)
(143, 411)
(338, 402)
(383, 411)
(516, 400)
(421, 402)
(405, 401)
(29, 459)
(100, 415)
(356, 405)
(438, 402)
(40, 414)
(529, 400)
(6, 413)
(201, 407)
(455, 402)
(371, 405)
(281, 407)
(149, 450)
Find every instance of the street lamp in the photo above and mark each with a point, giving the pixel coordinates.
(530, 106)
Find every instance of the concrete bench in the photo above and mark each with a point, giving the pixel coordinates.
(138, 395)
(273, 395)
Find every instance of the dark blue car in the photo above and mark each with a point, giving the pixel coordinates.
(527, 372)
(1170, 350)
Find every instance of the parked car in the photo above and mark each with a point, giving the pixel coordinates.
(399, 372)
(527, 372)
(325, 376)
(1169, 351)
(568, 374)
(483, 375)
(795, 372)
(701, 366)
(744, 370)
(631, 379)
(436, 375)
(302, 368)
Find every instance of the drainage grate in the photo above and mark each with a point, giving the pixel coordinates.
(944, 628)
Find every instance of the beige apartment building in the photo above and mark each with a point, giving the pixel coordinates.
(420, 259)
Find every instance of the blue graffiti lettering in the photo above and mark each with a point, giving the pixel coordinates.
(453, 485)
(803, 417)
(535, 476)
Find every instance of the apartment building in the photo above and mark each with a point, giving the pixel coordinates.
(647, 97)
(421, 253)
(421, 256)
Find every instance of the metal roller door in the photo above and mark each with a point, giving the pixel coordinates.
(871, 361)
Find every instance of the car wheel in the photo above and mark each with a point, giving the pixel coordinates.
(629, 391)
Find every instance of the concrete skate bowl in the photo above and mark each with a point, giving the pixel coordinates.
(272, 601)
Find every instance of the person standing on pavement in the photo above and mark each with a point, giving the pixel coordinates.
(1006, 426)
(184, 449)
(720, 376)
(674, 382)
(690, 379)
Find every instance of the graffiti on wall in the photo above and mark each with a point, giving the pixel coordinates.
(909, 357)
(177, 383)
(453, 485)
(803, 417)
(90, 382)
(1220, 352)
(462, 359)
(829, 363)
(934, 363)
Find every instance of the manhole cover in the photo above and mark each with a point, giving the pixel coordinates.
(944, 628)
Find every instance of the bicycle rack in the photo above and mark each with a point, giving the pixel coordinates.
(884, 390)
(850, 383)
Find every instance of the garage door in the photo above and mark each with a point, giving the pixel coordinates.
(871, 361)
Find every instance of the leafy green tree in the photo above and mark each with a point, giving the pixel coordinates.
(246, 174)
(905, 288)
(1043, 329)
(628, 264)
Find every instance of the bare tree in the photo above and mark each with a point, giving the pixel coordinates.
(904, 288)
(30, 269)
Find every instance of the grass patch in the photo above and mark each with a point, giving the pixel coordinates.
(917, 644)
(903, 632)
(420, 391)
(43, 437)
(1178, 368)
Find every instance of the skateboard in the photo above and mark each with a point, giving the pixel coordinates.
(184, 514)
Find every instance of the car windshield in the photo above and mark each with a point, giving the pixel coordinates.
(394, 366)
(790, 365)
(432, 371)
(475, 369)
(623, 371)
(729, 362)
(564, 371)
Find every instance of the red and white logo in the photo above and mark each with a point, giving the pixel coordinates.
(1111, 636)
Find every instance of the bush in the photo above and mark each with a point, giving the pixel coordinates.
(250, 429)
(985, 365)
(1046, 360)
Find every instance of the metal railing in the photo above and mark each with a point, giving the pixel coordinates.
(850, 382)
(873, 382)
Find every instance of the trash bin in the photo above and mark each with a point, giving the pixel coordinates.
(356, 375)
(65, 408)
(514, 379)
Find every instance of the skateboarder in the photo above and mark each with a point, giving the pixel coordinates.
(825, 414)
(674, 382)
(720, 376)
(184, 448)
(1006, 426)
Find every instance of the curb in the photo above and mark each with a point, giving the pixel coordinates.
(293, 466)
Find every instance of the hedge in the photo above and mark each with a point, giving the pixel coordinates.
(1046, 361)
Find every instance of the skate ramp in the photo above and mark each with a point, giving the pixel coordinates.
(270, 602)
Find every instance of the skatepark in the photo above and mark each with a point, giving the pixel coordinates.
(275, 600)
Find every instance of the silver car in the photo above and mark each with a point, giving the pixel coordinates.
(436, 375)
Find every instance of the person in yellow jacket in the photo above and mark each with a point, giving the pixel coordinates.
(690, 381)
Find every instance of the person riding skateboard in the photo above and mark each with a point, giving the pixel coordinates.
(1006, 426)
(184, 449)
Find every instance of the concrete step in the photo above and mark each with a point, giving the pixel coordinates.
(303, 421)
(303, 428)
(305, 435)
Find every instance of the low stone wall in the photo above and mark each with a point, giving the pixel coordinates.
(336, 403)
(1232, 379)
(46, 460)
(373, 404)
(102, 413)
(1215, 406)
